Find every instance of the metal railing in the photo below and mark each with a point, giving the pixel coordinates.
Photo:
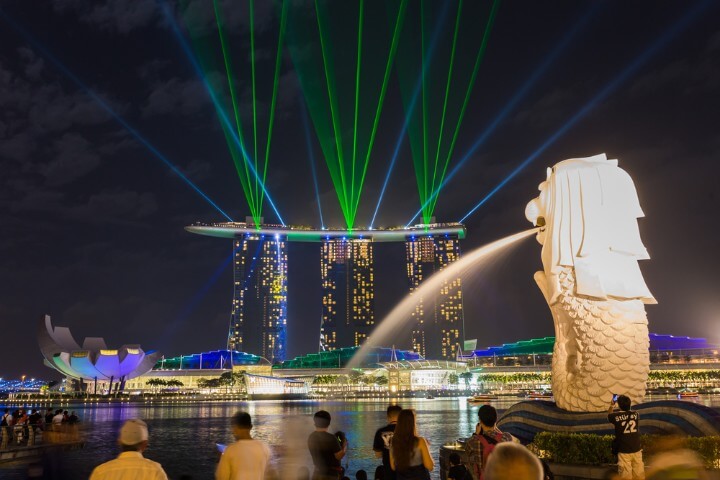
(28, 435)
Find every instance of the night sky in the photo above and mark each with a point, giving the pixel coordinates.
(91, 222)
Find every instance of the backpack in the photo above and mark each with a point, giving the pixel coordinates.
(488, 443)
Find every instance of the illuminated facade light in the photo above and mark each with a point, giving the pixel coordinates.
(438, 322)
(348, 292)
(259, 308)
(93, 360)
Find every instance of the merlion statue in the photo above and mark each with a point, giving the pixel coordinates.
(587, 210)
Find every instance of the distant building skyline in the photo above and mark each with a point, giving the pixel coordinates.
(258, 323)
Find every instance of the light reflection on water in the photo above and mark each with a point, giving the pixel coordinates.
(183, 436)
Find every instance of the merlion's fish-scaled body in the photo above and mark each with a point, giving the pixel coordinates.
(588, 209)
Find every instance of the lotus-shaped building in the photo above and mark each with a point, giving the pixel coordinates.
(94, 360)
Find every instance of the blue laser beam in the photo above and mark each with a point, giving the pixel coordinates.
(411, 108)
(190, 306)
(105, 106)
(519, 95)
(250, 269)
(216, 102)
(396, 152)
(311, 158)
(674, 30)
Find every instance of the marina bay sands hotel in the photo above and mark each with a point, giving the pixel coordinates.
(259, 306)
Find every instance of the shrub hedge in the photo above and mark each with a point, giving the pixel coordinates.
(588, 449)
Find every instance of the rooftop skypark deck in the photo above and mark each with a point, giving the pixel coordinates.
(309, 234)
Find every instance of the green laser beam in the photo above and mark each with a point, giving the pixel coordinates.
(388, 69)
(476, 68)
(273, 102)
(433, 129)
(253, 186)
(332, 103)
(424, 98)
(447, 92)
(333, 110)
(245, 182)
(254, 98)
(357, 99)
(233, 96)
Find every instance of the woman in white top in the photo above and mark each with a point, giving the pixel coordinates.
(409, 453)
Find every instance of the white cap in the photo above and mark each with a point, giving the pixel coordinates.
(133, 432)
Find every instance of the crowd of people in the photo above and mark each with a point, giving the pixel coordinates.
(20, 427)
(488, 454)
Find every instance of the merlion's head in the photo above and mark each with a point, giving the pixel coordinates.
(587, 210)
(535, 211)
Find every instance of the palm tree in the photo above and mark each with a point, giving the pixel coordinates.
(174, 383)
(156, 382)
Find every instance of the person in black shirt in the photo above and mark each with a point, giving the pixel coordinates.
(326, 449)
(383, 436)
(49, 416)
(35, 419)
(627, 439)
(457, 469)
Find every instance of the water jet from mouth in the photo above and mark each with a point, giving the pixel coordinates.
(398, 320)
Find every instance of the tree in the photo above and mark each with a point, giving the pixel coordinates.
(233, 379)
(467, 376)
(155, 383)
(381, 380)
(226, 380)
(240, 380)
(453, 379)
(214, 383)
(355, 376)
(324, 379)
(367, 379)
(208, 382)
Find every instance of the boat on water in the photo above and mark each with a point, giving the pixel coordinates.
(687, 394)
(539, 395)
(482, 398)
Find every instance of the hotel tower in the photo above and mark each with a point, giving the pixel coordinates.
(260, 287)
(438, 321)
(348, 292)
(259, 307)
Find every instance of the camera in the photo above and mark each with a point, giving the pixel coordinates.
(341, 437)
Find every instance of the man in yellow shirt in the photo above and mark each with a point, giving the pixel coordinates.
(130, 464)
(247, 458)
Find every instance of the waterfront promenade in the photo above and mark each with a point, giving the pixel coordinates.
(183, 435)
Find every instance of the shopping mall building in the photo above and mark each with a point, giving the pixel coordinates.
(676, 362)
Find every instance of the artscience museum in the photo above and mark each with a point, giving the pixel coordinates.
(93, 361)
